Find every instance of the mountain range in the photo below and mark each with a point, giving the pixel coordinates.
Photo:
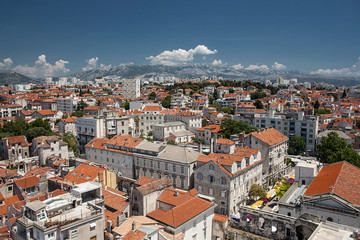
(131, 70)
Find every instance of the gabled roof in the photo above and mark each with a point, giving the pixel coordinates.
(225, 141)
(342, 177)
(152, 108)
(27, 182)
(182, 213)
(269, 136)
(18, 139)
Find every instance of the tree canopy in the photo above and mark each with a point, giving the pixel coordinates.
(282, 190)
(298, 144)
(258, 104)
(333, 148)
(256, 191)
(257, 95)
(166, 103)
(152, 96)
(233, 127)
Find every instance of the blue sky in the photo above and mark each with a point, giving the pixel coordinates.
(70, 36)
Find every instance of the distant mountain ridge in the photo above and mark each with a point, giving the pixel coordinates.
(196, 70)
(12, 77)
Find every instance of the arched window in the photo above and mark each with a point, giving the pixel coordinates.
(223, 181)
(329, 219)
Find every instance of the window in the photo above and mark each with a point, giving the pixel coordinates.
(74, 232)
(211, 179)
(174, 168)
(211, 191)
(289, 214)
(166, 166)
(10, 188)
(144, 163)
(200, 188)
(211, 167)
(158, 165)
(51, 235)
(87, 178)
(74, 173)
(182, 169)
(151, 163)
(182, 183)
(81, 175)
(174, 181)
(222, 194)
(223, 181)
(200, 176)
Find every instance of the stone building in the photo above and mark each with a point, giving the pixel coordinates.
(13, 148)
(227, 178)
(46, 146)
(273, 146)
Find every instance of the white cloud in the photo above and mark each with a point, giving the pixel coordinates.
(254, 67)
(353, 71)
(7, 62)
(179, 56)
(278, 66)
(92, 63)
(42, 68)
(238, 66)
(217, 62)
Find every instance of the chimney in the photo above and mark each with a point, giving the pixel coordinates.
(73, 183)
(46, 195)
(133, 226)
(176, 193)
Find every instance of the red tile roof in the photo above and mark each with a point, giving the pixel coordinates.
(182, 213)
(220, 218)
(225, 141)
(27, 182)
(18, 139)
(343, 177)
(152, 108)
(270, 136)
(83, 173)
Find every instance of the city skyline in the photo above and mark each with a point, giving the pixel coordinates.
(43, 38)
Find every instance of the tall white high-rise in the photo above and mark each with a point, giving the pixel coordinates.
(131, 88)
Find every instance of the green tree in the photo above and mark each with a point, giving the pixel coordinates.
(231, 90)
(258, 104)
(70, 139)
(41, 123)
(334, 149)
(171, 142)
(77, 113)
(98, 103)
(298, 144)
(211, 100)
(35, 132)
(257, 95)
(282, 190)
(228, 110)
(319, 112)
(81, 105)
(256, 191)
(125, 105)
(152, 96)
(233, 127)
(205, 122)
(166, 103)
(317, 104)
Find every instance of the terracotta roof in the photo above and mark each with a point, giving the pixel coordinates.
(114, 199)
(7, 202)
(18, 139)
(175, 197)
(270, 136)
(27, 182)
(39, 171)
(182, 213)
(125, 140)
(154, 186)
(83, 173)
(225, 141)
(220, 218)
(343, 177)
(143, 180)
(152, 108)
(45, 112)
(92, 108)
(134, 235)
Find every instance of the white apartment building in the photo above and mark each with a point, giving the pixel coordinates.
(162, 131)
(10, 110)
(89, 128)
(45, 146)
(66, 105)
(306, 127)
(75, 215)
(131, 88)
